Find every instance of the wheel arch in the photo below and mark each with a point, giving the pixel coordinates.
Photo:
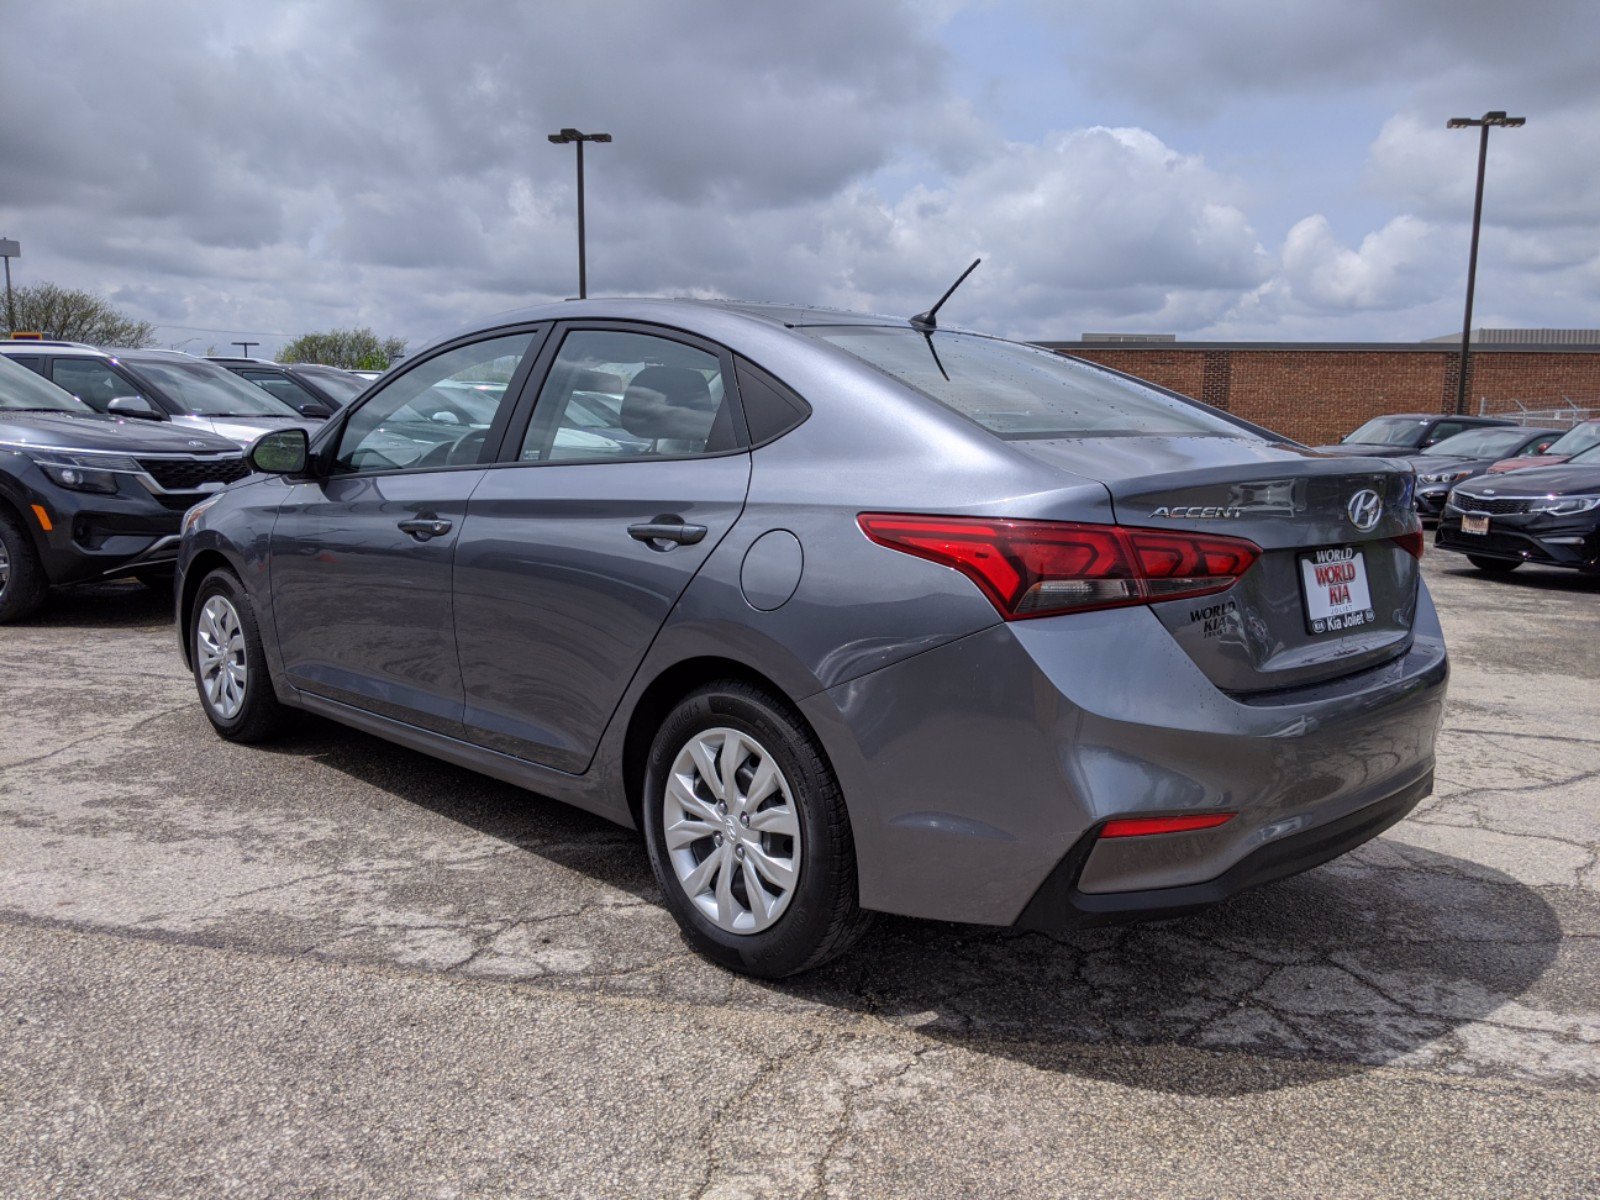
(662, 694)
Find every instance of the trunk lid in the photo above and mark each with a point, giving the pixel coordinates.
(1300, 507)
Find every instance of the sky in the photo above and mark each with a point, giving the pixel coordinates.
(1237, 169)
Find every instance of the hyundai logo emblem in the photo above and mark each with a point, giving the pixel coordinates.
(1365, 509)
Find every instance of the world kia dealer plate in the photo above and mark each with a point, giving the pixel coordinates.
(1334, 584)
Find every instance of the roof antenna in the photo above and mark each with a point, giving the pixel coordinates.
(926, 321)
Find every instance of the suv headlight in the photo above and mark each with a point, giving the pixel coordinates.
(84, 472)
(1565, 506)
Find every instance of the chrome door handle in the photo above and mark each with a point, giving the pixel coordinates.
(651, 532)
(423, 528)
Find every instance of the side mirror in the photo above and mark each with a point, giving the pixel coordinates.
(133, 406)
(310, 408)
(281, 452)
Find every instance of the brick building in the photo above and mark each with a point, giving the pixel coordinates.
(1316, 392)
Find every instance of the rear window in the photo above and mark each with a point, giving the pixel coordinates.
(1390, 431)
(1018, 391)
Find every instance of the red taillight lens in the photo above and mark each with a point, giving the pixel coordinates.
(1143, 826)
(1412, 543)
(1038, 568)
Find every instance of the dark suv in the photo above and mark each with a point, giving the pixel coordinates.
(85, 496)
(310, 389)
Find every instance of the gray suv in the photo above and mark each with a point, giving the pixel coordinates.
(847, 614)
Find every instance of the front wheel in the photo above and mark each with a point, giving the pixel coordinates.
(1494, 566)
(748, 834)
(23, 585)
(230, 667)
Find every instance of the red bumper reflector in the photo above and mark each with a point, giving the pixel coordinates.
(1142, 826)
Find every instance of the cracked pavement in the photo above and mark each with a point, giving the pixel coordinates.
(335, 967)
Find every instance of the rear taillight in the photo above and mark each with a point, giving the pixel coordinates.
(1413, 543)
(1040, 568)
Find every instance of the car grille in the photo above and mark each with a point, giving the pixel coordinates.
(186, 474)
(1494, 505)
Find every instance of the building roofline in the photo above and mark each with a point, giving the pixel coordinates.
(1328, 347)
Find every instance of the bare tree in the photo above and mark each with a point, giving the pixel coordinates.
(76, 316)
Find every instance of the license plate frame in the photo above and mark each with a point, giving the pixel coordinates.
(1475, 524)
(1325, 569)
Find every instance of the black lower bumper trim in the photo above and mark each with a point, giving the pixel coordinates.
(1058, 904)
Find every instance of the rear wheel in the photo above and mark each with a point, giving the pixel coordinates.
(230, 667)
(23, 585)
(1494, 566)
(748, 834)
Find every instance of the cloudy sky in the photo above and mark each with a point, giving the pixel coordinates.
(1231, 169)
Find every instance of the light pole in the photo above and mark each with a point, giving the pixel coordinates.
(572, 135)
(245, 346)
(1483, 124)
(9, 250)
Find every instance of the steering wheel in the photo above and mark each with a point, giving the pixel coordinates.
(463, 452)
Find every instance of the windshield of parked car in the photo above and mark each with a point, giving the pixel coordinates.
(1482, 443)
(207, 390)
(1577, 439)
(341, 385)
(1390, 431)
(1018, 391)
(23, 391)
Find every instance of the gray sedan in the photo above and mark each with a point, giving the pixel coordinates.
(846, 614)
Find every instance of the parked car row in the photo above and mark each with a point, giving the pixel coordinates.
(1548, 515)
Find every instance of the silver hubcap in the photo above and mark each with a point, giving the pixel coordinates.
(732, 830)
(5, 568)
(219, 649)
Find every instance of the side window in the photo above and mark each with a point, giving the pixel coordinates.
(437, 414)
(614, 395)
(770, 408)
(32, 362)
(91, 381)
(283, 388)
(1443, 430)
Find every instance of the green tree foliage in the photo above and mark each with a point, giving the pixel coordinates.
(352, 349)
(75, 316)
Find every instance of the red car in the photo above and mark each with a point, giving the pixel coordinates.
(1574, 441)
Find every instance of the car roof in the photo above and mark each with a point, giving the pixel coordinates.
(660, 308)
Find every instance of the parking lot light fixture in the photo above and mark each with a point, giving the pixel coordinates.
(1483, 124)
(578, 138)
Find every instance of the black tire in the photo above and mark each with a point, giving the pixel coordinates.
(25, 585)
(261, 716)
(1494, 566)
(823, 918)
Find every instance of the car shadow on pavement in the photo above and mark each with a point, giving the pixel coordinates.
(118, 605)
(1377, 958)
(1532, 578)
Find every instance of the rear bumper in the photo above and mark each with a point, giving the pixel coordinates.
(973, 772)
(1061, 904)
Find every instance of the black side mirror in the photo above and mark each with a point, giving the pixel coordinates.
(133, 406)
(281, 452)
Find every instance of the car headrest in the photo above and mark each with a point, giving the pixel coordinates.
(668, 402)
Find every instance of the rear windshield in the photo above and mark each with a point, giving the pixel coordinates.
(1577, 439)
(1390, 431)
(1482, 443)
(1018, 391)
(22, 390)
(208, 390)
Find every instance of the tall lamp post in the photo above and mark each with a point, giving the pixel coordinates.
(572, 135)
(9, 250)
(1483, 124)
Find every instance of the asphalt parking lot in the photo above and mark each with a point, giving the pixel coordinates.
(334, 967)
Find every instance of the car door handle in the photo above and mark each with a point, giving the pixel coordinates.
(666, 530)
(423, 528)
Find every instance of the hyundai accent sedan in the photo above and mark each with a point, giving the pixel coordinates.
(847, 614)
